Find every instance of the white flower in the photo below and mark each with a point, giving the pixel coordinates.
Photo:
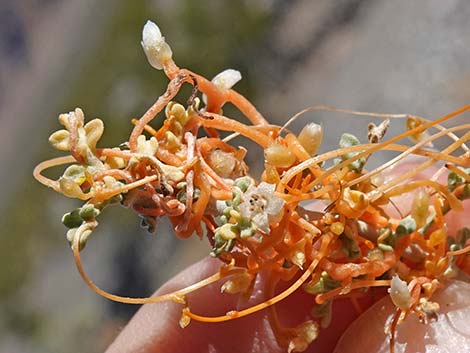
(225, 80)
(155, 47)
(261, 205)
(400, 293)
(147, 147)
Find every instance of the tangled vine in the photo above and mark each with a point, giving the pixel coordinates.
(185, 170)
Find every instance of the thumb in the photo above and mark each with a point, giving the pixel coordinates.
(449, 333)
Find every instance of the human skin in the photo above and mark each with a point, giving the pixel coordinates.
(155, 327)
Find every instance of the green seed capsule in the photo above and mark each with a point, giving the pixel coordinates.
(88, 212)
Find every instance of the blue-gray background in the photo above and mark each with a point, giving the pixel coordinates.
(374, 55)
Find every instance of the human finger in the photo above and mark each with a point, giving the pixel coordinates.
(155, 327)
(448, 333)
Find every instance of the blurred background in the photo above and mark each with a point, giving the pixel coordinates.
(372, 55)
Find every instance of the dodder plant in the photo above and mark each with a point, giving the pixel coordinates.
(188, 173)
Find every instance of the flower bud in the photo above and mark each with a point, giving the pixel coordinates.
(60, 140)
(94, 130)
(72, 219)
(147, 147)
(158, 52)
(176, 110)
(310, 138)
(279, 155)
(419, 210)
(88, 212)
(223, 163)
(400, 294)
(227, 79)
(70, 188)
(227, 231)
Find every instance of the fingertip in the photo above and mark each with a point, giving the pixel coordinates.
(155, 327)
(450, 333)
